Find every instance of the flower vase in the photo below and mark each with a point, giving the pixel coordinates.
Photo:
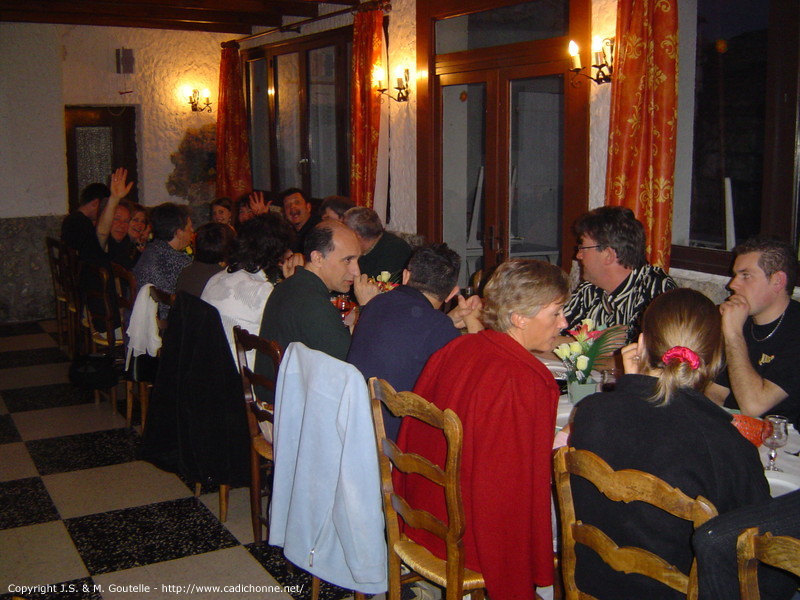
(577, 391)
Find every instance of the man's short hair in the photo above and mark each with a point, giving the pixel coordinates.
(320, 238)
(364, 221)
(213, 243)
(775, 256)
(288, 192)
(167, 218)
(618, 228)
(338, 204)
(94, 191)
(434, 270)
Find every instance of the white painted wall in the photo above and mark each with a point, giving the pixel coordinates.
(45, 67)
(32, 148)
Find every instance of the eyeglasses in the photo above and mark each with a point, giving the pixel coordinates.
(579, 248)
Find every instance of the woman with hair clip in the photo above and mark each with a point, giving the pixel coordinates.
(658, 420)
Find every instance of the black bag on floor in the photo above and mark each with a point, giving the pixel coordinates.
(93, 372)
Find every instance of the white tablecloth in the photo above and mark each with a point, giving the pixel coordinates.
(780, 482)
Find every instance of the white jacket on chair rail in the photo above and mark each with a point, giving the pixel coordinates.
(326, 507)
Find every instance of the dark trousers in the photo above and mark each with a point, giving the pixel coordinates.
(715, 547)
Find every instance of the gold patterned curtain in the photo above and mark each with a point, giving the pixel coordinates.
(644, 115)
(366, 106)
(234, 177)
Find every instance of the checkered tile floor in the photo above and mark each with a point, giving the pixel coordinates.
(81, 518)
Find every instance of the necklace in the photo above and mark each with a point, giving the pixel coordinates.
(770, 334)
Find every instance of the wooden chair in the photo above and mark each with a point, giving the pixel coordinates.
(125, 286)
(100, 309)
(451, 573)
(621, 486)
(160, 297)
(54, 251)
(69, 272)
(261, 453)
(778, 551)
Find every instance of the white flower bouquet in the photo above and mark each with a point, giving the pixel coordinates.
(590, 344)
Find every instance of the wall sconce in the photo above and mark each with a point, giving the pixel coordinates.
(198, 102)
(602, 61)
(402, 88)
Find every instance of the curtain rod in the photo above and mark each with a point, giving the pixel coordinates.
(384, 5)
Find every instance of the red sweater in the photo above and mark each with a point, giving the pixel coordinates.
(506, 400)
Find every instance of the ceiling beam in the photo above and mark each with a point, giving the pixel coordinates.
(105, 21)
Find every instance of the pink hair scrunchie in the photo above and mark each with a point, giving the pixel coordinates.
(682, 354)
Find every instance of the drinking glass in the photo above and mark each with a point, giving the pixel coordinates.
(775, 434)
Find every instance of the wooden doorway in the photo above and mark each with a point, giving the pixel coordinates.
(99, 139)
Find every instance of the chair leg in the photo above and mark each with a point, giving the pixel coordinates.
(224, 491)
(144, 399)
(197, 489)
(360, 596)
(315, 585)
(128, 402)
(255, 495)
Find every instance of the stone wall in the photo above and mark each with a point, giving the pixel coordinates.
(26, 291)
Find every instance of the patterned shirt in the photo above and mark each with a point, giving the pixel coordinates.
(624, 305)
(160, 264)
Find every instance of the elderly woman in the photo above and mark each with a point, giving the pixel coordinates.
(240, 292)
(658, 420)
(506, 400)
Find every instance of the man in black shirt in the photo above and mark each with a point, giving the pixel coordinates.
(760, 322)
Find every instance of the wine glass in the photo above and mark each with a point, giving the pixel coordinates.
(774, 435)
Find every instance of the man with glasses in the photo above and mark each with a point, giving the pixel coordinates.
(618, 284)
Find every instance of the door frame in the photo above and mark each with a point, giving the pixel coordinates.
(551, 52)
(122, 121)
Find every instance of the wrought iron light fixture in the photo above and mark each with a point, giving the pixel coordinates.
(200, 103)
(402, 88)
(602, 61)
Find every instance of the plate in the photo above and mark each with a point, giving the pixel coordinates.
(781, 483)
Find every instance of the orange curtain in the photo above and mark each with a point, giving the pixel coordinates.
(644, 114)
(366, 106)
(234, 177)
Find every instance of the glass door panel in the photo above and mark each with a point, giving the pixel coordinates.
(259, 124)
(287, 109)
(535, 151)
(463, 159)
(322, 134)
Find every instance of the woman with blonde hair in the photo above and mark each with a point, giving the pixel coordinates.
(506, 400)
(659, 421)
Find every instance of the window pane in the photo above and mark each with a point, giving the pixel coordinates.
(500, 26)
(287, 107)
(463, 156)
(259, 125)
(730, 84)
(535, 161)
(323, 138)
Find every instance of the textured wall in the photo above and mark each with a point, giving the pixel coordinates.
(604, 24)
(165, 62)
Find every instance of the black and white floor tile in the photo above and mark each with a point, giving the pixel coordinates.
(81, 518)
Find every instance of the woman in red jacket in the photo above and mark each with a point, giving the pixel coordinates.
(506, 400)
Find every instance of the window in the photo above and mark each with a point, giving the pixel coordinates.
(298, 104)
(743, 167)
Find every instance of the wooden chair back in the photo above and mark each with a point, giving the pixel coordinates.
(778, 551)
(165, 298)
(450, 574)
(125, 286)
(625, 485)
(100, 309)
(257, 412)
